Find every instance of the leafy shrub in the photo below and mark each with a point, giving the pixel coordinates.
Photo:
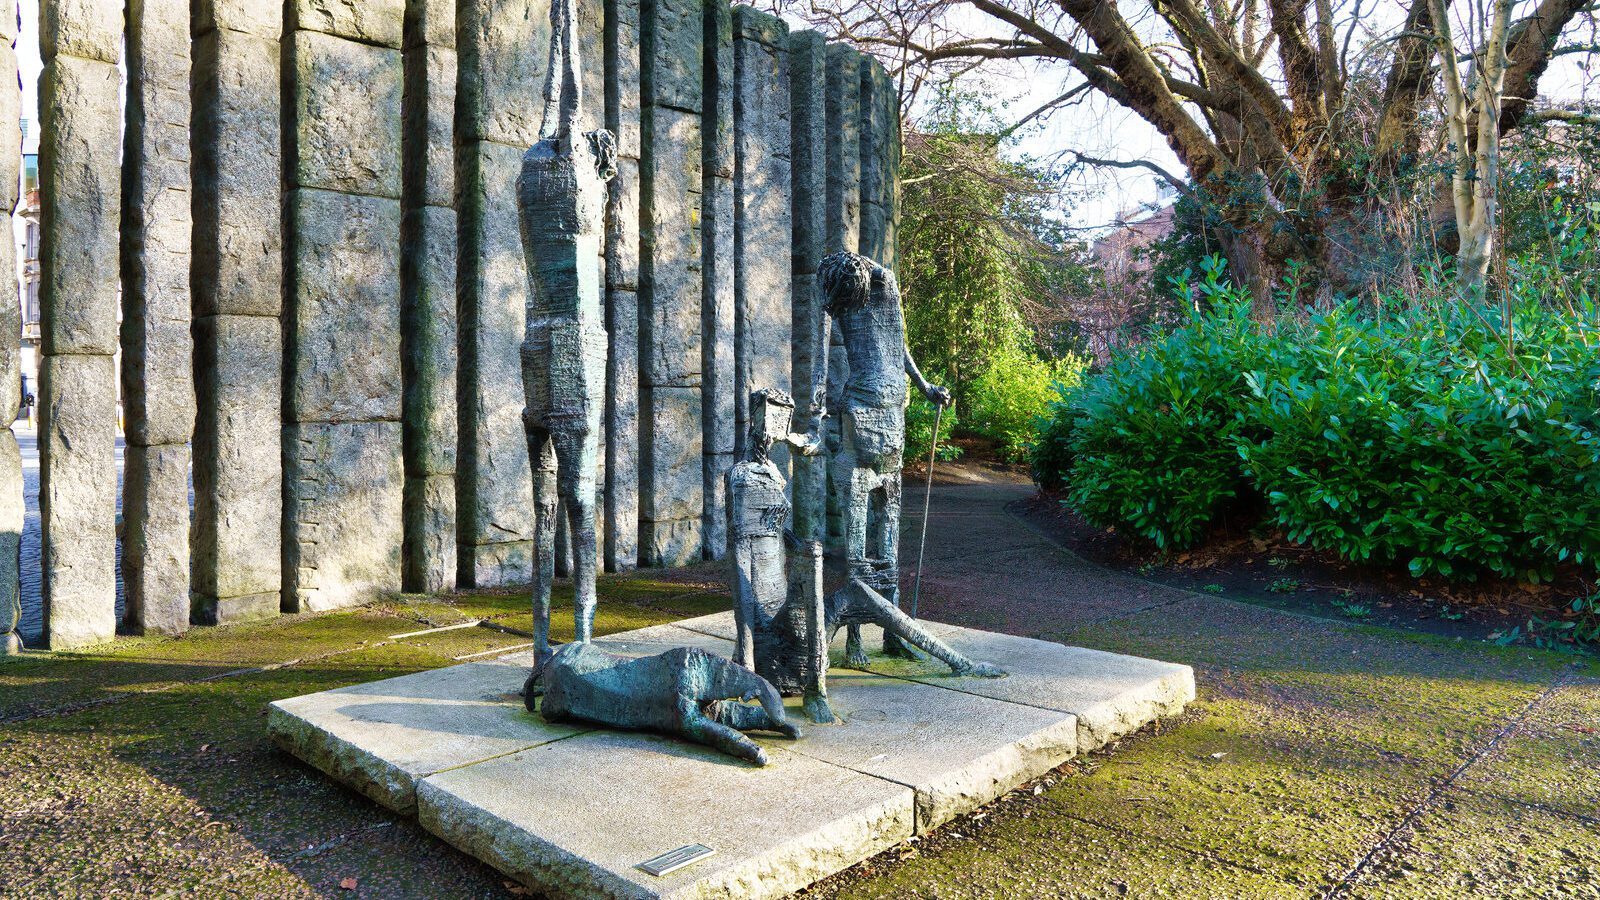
(919, 429)
(1454, 439)
(1151, 441)
(1017, 388)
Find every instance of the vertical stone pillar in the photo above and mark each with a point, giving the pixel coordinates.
(808, 193)
(428, 296)
(718, 325)
(157, 358)
(237, 292)
(842, 230)
(79, 177)
(621, 506)
(880, 148)
(763, 209)
(502, 50)
(342, 445)
(671, 473)
(11, 508)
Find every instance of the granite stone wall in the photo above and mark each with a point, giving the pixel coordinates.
(310, 211)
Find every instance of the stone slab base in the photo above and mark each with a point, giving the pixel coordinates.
(572, 811)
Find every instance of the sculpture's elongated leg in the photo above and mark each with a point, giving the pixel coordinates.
(886, 546)
(541, 453)
(746, 718)
(862, 601)
(577, 478)
(744, 615)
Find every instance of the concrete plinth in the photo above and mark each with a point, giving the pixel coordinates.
(573, 810)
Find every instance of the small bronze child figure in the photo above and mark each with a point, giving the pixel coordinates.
(784, 625)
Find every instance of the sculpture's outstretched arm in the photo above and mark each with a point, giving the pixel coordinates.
(857, 600)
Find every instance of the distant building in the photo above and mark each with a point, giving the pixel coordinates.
(1119, 251)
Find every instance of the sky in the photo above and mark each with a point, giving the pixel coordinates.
(1097, 128)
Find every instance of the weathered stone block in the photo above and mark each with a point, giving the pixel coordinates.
(343, 488)
(761, 194)
(671, 54)
(843, 108)
(12, 511)
(504, 48)
(345, 108)
(808, 148)
(431, 22)
(157, 364)
(502, 564)
(717, 100)
(622, 78)
(342, 337)
(715, 533)
(718, 329)
(429, 111)
(429, 559)
(428, 339)
(238, 459)
(79, 181)
(670, 450)
(8, 21)
(621, 494)
(264, 20)
(378, 22)
(10, 123)
(238, 264)
(591, 15)
(671, 543)
(752, 24)
(233, 610)
(10, 342)
(88, 29)
(155, 542)
(495, 484)
(880, 139)
(622, 227)
(670, 262)
(77, 499)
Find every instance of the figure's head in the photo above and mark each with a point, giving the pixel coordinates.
(771, 413)
(846, 280)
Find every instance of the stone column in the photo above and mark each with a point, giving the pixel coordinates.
(502, 49)
(342, 446)
(237, 292)
(880, 150)
(621, 506)
(808, 196)
(719, 409)
(428, 295)
(11, 508)
(671, 445)
(842, 231)
(79, 177)
(157, 358)
(763, 209)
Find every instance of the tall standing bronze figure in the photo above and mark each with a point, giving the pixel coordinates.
(561, 200)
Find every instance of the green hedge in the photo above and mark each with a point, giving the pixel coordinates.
(1456, 440)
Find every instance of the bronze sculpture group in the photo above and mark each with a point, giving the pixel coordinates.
(784, 622)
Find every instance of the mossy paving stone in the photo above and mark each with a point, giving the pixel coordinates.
(1553, 760)
(1028, 847)
(155, 805)
(1480, 845)
(46, 680)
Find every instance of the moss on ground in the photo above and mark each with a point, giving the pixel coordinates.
(124, 770)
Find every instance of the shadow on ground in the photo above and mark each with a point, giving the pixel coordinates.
(1321, 758)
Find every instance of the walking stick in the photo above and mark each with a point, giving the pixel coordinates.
(927, 504)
